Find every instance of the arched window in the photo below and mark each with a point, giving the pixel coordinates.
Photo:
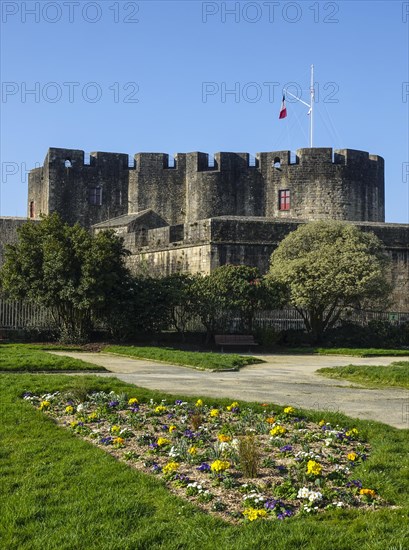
(277, 163)
(32, 209)
(68, 163)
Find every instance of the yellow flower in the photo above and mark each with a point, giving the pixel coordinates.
(115, 429)
(352, 433)
(352, 456)
(289, 410)
(214, 413)
(253, 513)
(270, 420)
(234, 405)
(160, 409)
(92, 416)
(314, 468)
(278, 430)
(170, 467)
(219, 465)
(172, 428)
(224, 438)
(368, 492)
(199, 403)
(133, 401)
(118, 441)
(192, 451)
(44, 405)
(163, 441)
(69, 409)
(73, 424)
(321, 422)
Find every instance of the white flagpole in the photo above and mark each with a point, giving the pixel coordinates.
(312, 104)
(309, 105)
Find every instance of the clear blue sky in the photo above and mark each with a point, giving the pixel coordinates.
(168, 54)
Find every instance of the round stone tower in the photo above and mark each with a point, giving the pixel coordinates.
(320, 183)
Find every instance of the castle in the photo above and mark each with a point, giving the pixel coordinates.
(192, 213)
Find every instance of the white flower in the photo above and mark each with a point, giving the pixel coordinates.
(311, 495)
(173, 452)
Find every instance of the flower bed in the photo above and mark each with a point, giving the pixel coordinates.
(239, 462)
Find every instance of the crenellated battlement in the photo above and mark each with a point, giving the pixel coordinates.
(201, 162)
(318, 182)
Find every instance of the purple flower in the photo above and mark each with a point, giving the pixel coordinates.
(204, 467)
(135, 409)
(113, 404)
(178, 402)
(156, 467)
(153, 446)
(182, 477)
(27, 394)
(286, 448)
(281, 468)
(272, 503)
(106, 440)
(70, 402)
(189, 434)
(235, 410)
(355, 483)
(165, 428)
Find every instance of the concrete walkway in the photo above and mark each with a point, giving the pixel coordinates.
(282, 379)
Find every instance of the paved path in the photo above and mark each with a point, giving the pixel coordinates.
(282, 379)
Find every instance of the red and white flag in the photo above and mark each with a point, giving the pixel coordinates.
(283, 110)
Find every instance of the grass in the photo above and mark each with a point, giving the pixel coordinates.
(33, 358)
(59, 492)
(395, 374)
(354, 352)
(198, 359)
(363, 352)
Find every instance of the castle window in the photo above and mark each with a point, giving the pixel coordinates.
(277, 163)
(32, 209)
(252, 161)
(95, 196)
(68, 163)
(284, 199)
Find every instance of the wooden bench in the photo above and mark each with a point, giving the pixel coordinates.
(234, 340)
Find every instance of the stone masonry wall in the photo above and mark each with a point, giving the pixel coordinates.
(348, 187)
(69, 187)
(323, 184)
(8, 232)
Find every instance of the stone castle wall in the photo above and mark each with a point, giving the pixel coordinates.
(8, 233)
(322, 183)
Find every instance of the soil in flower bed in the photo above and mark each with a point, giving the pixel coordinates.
(235, 462)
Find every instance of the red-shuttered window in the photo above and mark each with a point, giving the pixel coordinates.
(284, 199)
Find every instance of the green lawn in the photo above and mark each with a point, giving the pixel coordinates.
(363, 352)
(59, 492)
(198, 359)
(33, 358)
(354, 352)
(395, 374)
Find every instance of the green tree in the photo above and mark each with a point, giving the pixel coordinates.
(233, 289)
(327, 266)
(181, 300)
(65, 268)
